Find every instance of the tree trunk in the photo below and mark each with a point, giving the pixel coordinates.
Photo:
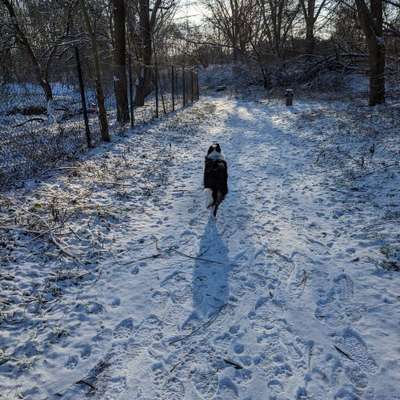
(310, 39)
(23, 40)
(376, 57)
(372, 24)
(266, 78)
(99, 88)
(47, 89)
(310, 22)
(143, 86)
(120, 80)
(5, 67)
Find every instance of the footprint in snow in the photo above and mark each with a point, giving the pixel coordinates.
(172, 389)
(124, 329)
(205, 382)
(353, 347)
(337, 306)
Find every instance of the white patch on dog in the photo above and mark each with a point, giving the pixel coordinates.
(214, 155)
(208, 197)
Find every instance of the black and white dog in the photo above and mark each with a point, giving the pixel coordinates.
(215, 177)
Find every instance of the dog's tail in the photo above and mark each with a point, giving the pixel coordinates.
(209, 199)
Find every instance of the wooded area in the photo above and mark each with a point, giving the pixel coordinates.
(275, 32)
(37, 38)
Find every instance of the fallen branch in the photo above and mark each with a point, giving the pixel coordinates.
(29, 120)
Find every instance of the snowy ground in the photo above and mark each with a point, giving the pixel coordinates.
(293, 293)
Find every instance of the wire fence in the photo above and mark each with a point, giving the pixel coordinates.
(35, 133)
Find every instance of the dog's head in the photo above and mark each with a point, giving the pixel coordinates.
(214, 147)
(214, 152)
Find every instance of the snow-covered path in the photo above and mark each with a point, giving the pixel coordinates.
(277, 299)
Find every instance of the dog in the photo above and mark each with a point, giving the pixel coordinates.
(215, 177)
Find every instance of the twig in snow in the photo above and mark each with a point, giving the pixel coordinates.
(82, 381)
(75, 234)
(175, 366)
(233, 363)
(162, 252)
(58, 169)
(111, 183)
(343, 353)
(141, 259)
(303, 279)
(197, 258)
(205, 325)
(62, 249)
(278, 253)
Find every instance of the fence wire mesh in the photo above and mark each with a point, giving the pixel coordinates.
(36, 134)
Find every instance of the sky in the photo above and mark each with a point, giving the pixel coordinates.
(191, 10)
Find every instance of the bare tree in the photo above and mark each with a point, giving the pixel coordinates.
(97, 70)
(40, 71)
(232, 18)
(145, 50)
(278, 18)
(150, 17)
(311, 12)
(371, 20)
(120, 81)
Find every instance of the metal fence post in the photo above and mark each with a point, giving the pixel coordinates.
(183, 87)
(197, 87)
(176, 73)
(160, 82)
(156, 85)
(83, 98)
(132, 114)
(173, 87)
(192, 85)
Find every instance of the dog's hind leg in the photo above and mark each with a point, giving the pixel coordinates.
(215, 210)
(209, 198)
(218, 197)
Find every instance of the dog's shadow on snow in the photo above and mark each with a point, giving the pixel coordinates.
(210, 279)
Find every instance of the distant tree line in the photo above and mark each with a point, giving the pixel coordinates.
(36, 38)
(267, 31)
